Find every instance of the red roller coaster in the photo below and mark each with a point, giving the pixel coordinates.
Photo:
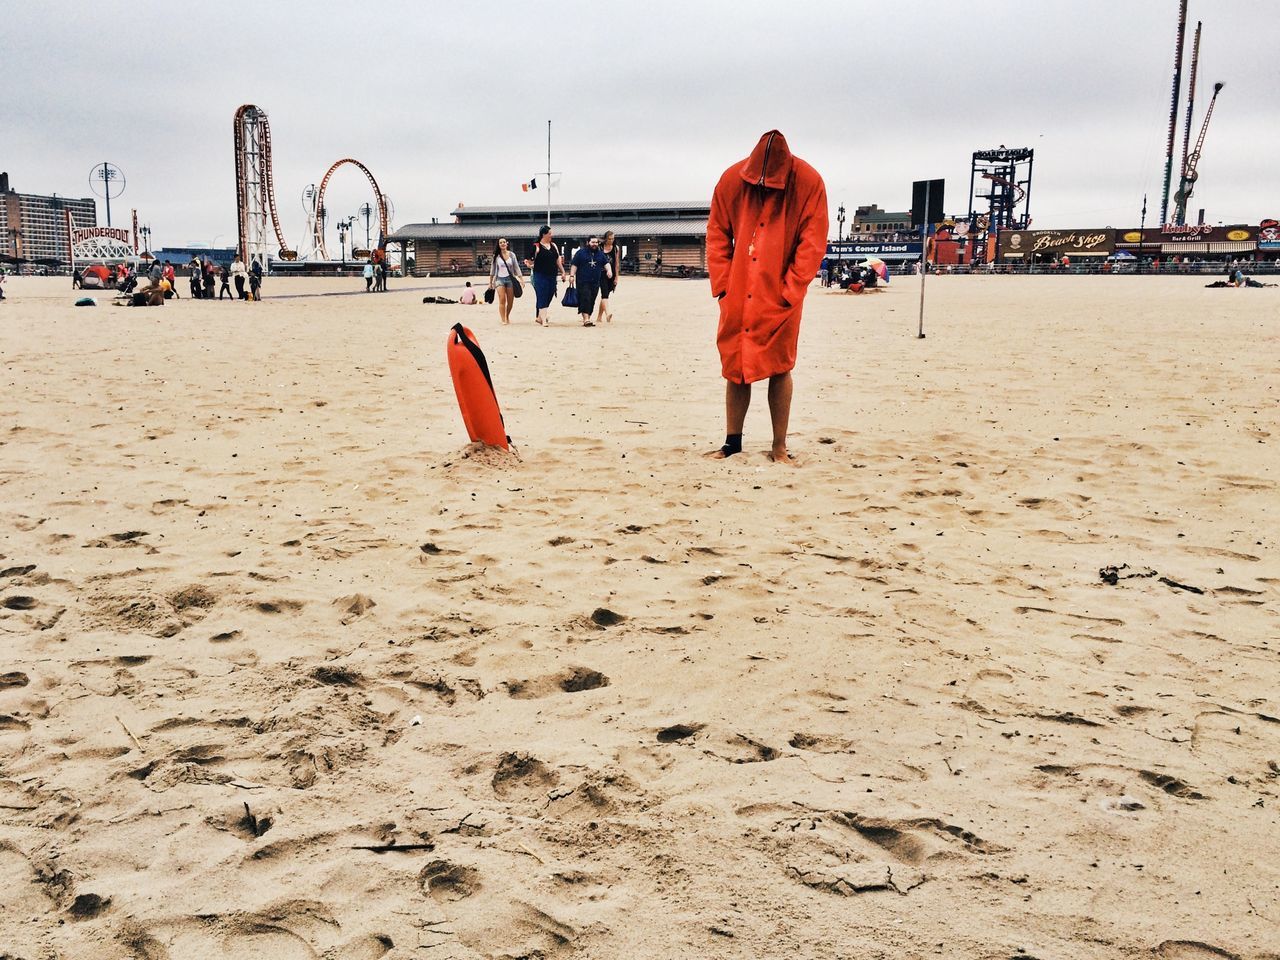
(256, 196)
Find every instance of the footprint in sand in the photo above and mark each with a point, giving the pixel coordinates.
(353, 607)
(743, 749)
(917, 840)
(820, 743)
(277, 606)
(678, 731)
(447, 882)
(572, 680)
(1191, 950)
(520, 776)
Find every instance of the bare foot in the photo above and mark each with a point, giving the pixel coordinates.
(780, 455)
(724, 453)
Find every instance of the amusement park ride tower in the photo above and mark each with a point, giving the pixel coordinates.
(255, 192)
(1001, 178)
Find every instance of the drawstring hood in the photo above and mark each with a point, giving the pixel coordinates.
(770, 162)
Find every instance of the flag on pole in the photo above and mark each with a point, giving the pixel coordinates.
(531, 185)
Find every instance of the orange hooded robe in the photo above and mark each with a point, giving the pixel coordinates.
(766, 236)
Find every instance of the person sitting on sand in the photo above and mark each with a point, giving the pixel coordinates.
(766, 235)
(152, 295)
(469, 295)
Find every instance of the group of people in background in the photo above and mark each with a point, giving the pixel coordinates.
(592, 275)
(845, 275)
(206, 275)
(375, 276)
(205, 278)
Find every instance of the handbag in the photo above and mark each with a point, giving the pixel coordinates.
(570, 297)
(513, 268)
(488, 295)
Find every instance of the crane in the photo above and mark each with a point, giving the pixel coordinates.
(1190, 174)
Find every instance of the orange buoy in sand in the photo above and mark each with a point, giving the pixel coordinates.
(474, 387)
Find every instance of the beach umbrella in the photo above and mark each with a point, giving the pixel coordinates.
(880, 267)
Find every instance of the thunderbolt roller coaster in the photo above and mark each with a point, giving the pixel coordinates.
(256, 195)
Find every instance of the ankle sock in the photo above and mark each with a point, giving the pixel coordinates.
(732, 444)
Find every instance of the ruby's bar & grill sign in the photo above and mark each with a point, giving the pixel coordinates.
(1192, 233)
(1018, 245)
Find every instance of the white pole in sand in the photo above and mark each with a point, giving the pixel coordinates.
(548, 173)
(924, 256)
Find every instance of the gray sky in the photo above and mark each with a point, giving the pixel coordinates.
(448, 102)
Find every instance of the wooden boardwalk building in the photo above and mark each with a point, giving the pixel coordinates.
(670, 238)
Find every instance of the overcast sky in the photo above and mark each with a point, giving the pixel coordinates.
(449, 102)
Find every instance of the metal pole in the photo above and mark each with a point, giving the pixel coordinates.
(924, 256)
(106, 188)
(548, 173)
(1142, 233)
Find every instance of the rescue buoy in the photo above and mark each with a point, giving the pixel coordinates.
(474, 387)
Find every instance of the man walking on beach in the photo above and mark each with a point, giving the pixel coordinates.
(766, 237)
(585, 271)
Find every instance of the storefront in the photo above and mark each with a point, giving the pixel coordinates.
(853, 251)
(1191, 241)
(1048, 246)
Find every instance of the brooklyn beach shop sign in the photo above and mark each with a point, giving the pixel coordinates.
(1051, 244)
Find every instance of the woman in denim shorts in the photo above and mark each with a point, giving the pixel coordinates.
(505, 267)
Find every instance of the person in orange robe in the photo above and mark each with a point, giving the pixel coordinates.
(766, 236)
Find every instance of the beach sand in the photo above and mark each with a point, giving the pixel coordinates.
(287, 673)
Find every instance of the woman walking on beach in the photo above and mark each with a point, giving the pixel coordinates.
(546, 265)
(255, 280)
(609, 281)
(504, 272)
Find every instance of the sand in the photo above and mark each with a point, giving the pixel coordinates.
(288, 671)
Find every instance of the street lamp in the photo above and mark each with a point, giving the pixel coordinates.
(840, 220)
(366, 211)
(111, 178)
(344, 227)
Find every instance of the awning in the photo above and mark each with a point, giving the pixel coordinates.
(1218, 246)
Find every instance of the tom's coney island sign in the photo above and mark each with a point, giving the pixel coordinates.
(1021, 244)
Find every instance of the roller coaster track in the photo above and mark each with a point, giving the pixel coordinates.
(256, 194)
(1008, 184)
(255, 186)
(377, 192)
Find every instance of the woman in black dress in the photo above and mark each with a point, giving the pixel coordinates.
(609, 282)
(544, 266)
